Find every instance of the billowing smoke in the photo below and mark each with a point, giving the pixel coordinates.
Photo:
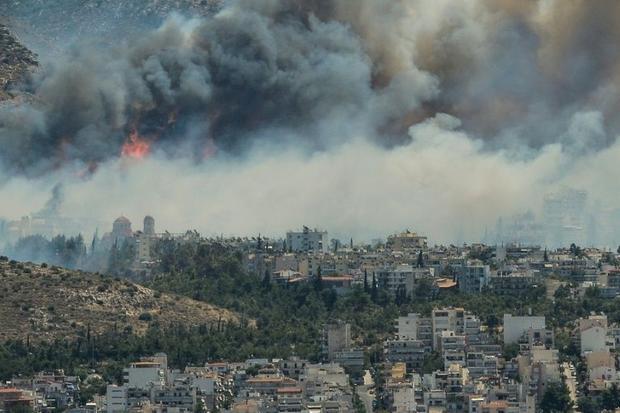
(253, 69)
(436, 113)
(53, 205)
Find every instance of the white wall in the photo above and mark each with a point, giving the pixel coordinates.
(515, 327)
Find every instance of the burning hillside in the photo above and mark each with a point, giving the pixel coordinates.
(15, 61)
(188, 78)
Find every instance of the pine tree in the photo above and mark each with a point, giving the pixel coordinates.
(420, 262)
(318, 281)
(267, 280)
(556, 399)
(373, 288)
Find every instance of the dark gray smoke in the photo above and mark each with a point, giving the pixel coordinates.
(253, 69)
(314, 73)
(51, 209)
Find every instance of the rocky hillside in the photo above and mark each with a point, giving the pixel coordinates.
(46, 25)
(48, 302)
(15, 60)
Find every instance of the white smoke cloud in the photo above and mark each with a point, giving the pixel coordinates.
(304, 90)
(443, 184)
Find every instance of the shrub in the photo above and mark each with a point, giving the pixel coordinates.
(145, 317)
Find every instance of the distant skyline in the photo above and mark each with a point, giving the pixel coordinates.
(260, 116)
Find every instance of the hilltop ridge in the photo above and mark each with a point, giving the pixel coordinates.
(15, 60)
(45, 303)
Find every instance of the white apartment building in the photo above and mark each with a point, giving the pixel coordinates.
(404, 399)
(415, 327)
(516, 327)
(307, 240)
(447, 319)
(144, 375)
(116, 399)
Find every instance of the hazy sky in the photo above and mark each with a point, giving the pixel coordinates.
(360, 117)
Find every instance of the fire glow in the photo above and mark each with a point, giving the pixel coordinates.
(135, 147)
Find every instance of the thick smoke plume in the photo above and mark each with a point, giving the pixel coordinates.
(395, 110)
(253, 69)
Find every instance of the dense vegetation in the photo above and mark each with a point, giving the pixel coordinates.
(69, 252)
(289, 318)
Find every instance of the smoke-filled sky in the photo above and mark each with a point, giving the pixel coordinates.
(362, 117)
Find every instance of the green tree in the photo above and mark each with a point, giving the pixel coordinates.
(511, 351)
(267, 280)
(91, 388)
(432, 362)
(556, 399)
(610, 398)
(200, 406)
(373, 288)
(588, 405)
(318, 280)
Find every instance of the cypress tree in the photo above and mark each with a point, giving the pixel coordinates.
(373, 288)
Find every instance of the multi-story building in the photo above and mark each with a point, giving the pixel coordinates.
(516, 327)
(514, 283)
(116, 399)
(447, 319)
(180, 396)
(452, 348)
(415, 327)
(307, 240)
(290, 399)
(146, 373)
(409, 351)
(481, 365)
(472, 278)
(538, 368)
(592, 333)
(407, 241)
(12, 399)
(351, 359)
(401, 278)
(293, 367)
(404, 399)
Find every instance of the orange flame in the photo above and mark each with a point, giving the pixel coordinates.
(135, 147)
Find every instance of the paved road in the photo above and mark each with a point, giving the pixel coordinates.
(364, 392)
(570, 380)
